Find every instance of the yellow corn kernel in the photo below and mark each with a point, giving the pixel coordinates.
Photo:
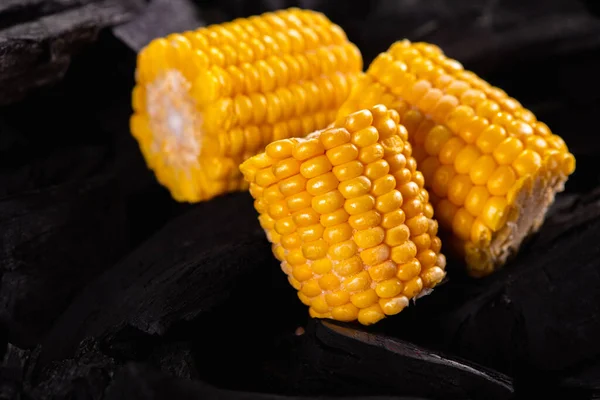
(355, 187)
(383, 271)
(322, 184)
(337, 233)
(364, 299)
(328, 202)
(334, 218)
(359, 205)
(491, 168)
(389, 288)
(349, 170)
(345, 313)
(208, 99)
(342, 154)
(343, 250)
(394, 305)
(370, 315)
(377, 169)
(383, 185)
(357, 240)
(314, 167)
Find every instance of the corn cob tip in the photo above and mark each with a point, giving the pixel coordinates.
(206, 100)
(348, 217)
(491, 167)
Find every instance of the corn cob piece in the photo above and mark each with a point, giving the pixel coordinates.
(347, 216)
(206, 100)
(491, 168)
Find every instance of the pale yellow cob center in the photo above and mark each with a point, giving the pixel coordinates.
(175, 125)
(530, 205)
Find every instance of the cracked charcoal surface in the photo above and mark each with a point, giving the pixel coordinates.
(38, 38)
(110, 290)
(133, 379)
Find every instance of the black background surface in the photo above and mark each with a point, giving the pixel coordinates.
(109, 289)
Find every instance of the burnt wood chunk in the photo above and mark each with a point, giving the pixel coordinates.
(159, 19)
(38, 38)
(189, 267)
(136, 381)
(85, 376)
(52, 241)
(351, 355)
(539, 315)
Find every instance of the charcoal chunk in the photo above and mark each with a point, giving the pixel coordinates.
(41, 171)
(136, 381)
(189, 267)
(536, 318)
(159, 19)
(38, 39)
(40, 267)
(348, 355)
(12, 372)
(85, 376)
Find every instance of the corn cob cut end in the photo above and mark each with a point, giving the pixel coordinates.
(491, 167)
(206, 100)
(526, 208)
(348, 217)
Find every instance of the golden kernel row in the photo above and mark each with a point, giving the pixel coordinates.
(276, 71)
(234, 43)
(284, 103)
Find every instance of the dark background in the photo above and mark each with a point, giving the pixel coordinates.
(109, 289)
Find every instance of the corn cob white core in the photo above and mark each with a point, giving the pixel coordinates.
(527, 215)
(174, 121)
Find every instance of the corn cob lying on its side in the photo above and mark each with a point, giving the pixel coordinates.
(347, 216)
(491, 168)
(206, 100)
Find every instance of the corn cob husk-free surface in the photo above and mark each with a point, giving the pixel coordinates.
(491, 168)
(347, 216)
(206, 100)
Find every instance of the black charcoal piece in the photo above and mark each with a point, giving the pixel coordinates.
(38, 39)
(188, 268)
(348, 353)
(65, 165)
(539, 316)
(485, 35)
(136, 381)
(159, 19)
(85, 376)
(12, 372)
(53, 240)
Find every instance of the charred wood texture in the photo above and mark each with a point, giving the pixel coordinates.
(111, 290)
(536, 318)
(187, 268)
(345, 353)
(38, 38)
(40, 267)
(139, 382)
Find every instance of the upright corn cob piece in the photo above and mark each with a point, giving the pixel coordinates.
(492, 169)
(206, 100)
(348, 217)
